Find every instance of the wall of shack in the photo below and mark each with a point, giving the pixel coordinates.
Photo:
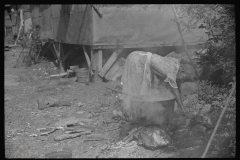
(70, 24)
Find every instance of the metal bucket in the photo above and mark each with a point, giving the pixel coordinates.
(82, 75)
(156, 112)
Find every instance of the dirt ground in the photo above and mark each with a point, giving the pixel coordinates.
(24, 86)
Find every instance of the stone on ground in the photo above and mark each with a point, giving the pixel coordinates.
(153, 137)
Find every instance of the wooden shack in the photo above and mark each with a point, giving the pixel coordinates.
(106, 32)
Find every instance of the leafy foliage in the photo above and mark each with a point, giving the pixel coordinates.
(219, 22)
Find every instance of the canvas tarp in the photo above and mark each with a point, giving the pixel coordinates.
(66, 23)
(129, 25)
(140, 25)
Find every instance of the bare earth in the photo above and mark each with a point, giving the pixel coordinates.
(22, 88)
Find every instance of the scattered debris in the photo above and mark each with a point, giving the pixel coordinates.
(73, 130)
(118, 114)
(112, 129)
(80, 112)
(68, 136)
(59, 75)
(33, 135)
(80, 104)
(96, 137)
(131, 135)
(47, 131)
(71, 121)
(67, 121)
(51, 102)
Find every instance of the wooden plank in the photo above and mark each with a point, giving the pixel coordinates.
(116, 70)
(110, 62)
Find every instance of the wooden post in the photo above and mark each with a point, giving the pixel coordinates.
(58, 56)
(99, 60)
(87, 58)
(91, 65)
(61, 54)
(97, 56)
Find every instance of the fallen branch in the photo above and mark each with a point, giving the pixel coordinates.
(131, 135)
(68, 136)
(76, 131)
(112, 129)
(218, 122)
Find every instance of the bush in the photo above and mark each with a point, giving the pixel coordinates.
(218, 20)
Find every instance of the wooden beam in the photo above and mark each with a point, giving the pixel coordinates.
(56, 51)
(97, 79)
(68, 54)
(53, 50)
(48, 45)
(88, 60)
(110, 62)
(99, 60)
(86, 56)
(91, 65)
(61, 63)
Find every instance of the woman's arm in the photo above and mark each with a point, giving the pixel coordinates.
(175, 91)
(178, 98)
